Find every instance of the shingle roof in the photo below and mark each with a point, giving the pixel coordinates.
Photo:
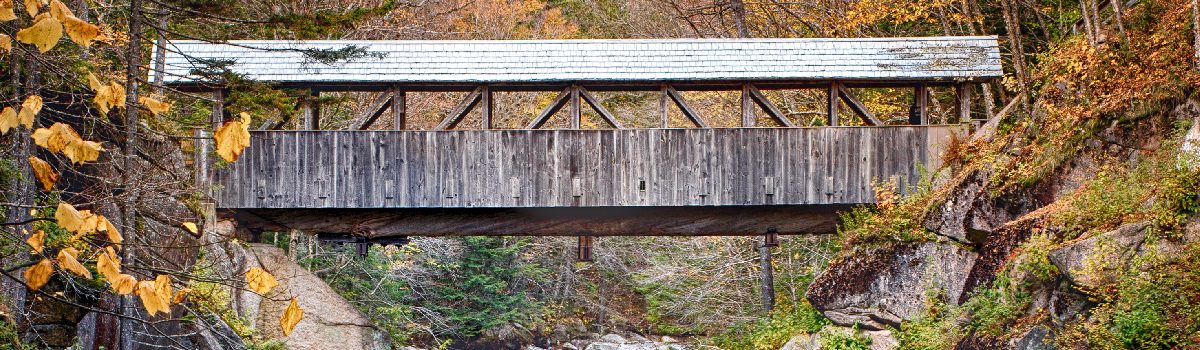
(467, 61)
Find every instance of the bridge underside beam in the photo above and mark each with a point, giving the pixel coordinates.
(604, 221)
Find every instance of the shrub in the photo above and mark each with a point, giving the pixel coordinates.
(773, 331)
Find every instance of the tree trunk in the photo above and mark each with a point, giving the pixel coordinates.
(739, 18)
(1087, 23)
(1117, 11)
(1196, 28)
(1013, 25)
(133, 56)
(768, 277)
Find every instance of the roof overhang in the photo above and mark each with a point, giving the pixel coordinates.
(599, 64)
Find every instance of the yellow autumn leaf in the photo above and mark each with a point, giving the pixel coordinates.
(8, 120)
(233, 137)
(260, 281)
(163, 284)
(80, 31)
(37, 275)
(69, 218)
(109, 230)
(43, 172)
(6, 11)
(67, 260)
(124, 284)
(30, 108)
(108, 265)
(83, 151)
(108, 95)
(191, 227)
(94, 82)
(44, 34)
(182, 293)
(91, 222)
(59, 11)
(155, 106)
(291, 316)
(56, 137)
(32, 6)
(37, 241)
(5, 42)
(151, 300)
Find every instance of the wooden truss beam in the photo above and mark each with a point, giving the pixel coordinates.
(857, 106)
(557, 104)
(380, 105)
(604, 113)
(287, 118)
(767, 106)
(683, 107)
(564, 221)
(462, 109)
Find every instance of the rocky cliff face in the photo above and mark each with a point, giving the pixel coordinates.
(1015, 245)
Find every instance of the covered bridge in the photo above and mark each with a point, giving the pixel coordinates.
(459, 179)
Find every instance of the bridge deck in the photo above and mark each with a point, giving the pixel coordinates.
(574, 168)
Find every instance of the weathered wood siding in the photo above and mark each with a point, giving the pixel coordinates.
(567, 168)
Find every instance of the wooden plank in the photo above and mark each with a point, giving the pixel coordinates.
(858, 107)
(683, 106)
(312, 111)
(962, 95)
(603, 112)
(486, 106)
(769, 107)
(399, 109)
(748, 117)
(464, 107)
(576, 110)
(832, 104)
(608, 221)
(920, 108)
(554, 106)
(664, 120)
(380, 105)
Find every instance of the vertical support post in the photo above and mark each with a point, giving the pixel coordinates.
(748, 118)
(770, 239)
(662, 106)
(203, 145)
(312, 111)
(218, 109)
(584, 249)
(962, 93)
(486, 105)
(576, 109)
(920, 107)
(833, 103)
(399, 109)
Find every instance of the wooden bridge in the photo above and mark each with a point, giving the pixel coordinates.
(749, 180)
